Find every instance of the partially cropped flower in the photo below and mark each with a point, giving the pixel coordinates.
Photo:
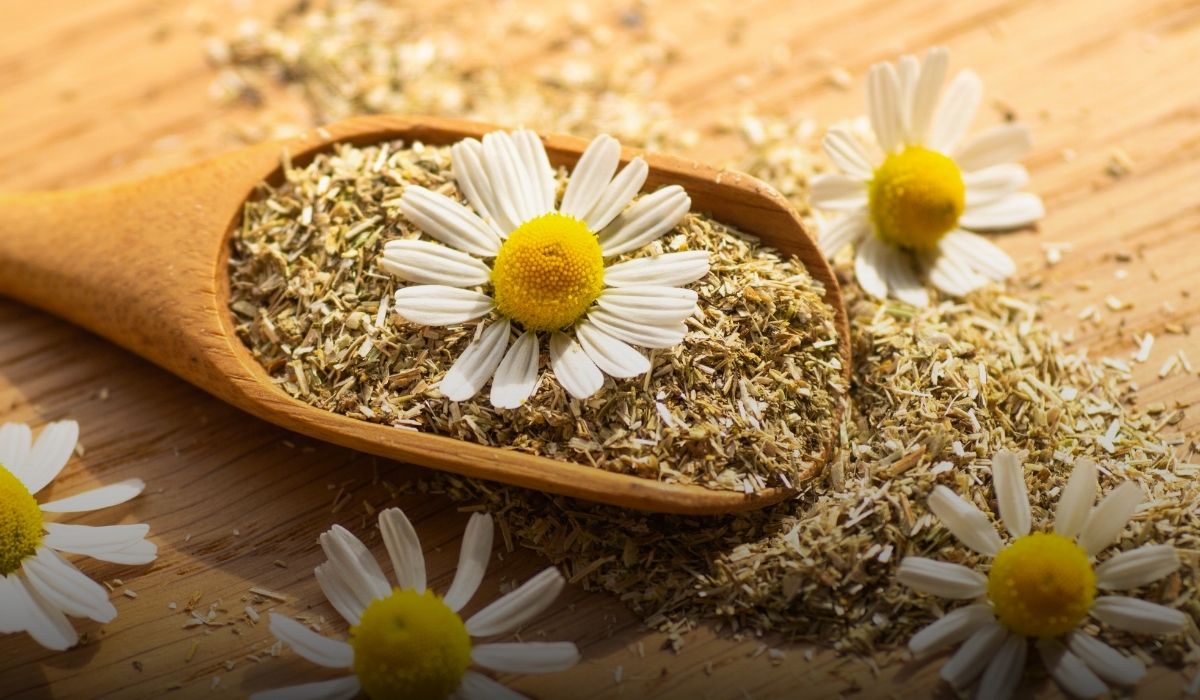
(38, 587)
(1041, 586)
(549, 269)
(912, 198)
(408, 642)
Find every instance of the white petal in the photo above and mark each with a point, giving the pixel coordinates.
(572, 367)
(973, 656)
(338, 593)
(671, 269)
(908, 69)
(132, 553)
(476, 686)
(883, 105)
(103, 497)
(404, 549)
(851, 228)
(642, 335)
(925, 94)
(439, 305)
(442, 218)
(1003, 143)
(868, 266)
(846, 153)
(70, 538)
(66, 588)
(1014, 211)
(429, 263)
(1069, 671)
(517, 607)
(896, 267)
(941, 578)
(49, 455)
(996, 182)
(591, 176)
(15, 442)
(965, 521)
(614, 357)
(837, 192)
(952, 628)
(472, 561)
(644, 222)
(515, 193)
(1109, 517)
(983, 256)
(1104, 661)
(517, 374)
(12, 614)
(618, 194)
(1004, 671)
(477, 363)
(1075, 501)
(1137, 567)
(322, 651)
(537, 166)
(44, 622)
(651, 304)
(526, 657)
(354, 564)
(956, 111)
(1138, 616)
(951, 275)
(336, 689)
(1008, 478)
(466, 160)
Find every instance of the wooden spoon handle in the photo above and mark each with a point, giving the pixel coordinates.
(136, 262)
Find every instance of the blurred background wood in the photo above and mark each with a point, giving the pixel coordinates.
(103, 90)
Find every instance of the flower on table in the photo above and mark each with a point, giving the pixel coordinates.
(916, 194)
(406, 641)
(547, 269)
(1042, 586)
(38, 587)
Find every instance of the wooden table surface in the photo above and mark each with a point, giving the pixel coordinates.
(98, 90)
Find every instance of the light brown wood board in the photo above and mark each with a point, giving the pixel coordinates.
(104, 90)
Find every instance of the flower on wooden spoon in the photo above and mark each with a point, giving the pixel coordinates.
(549, 270)
(408, 642)
(915, 195)
(38, 587)
(1041, 585)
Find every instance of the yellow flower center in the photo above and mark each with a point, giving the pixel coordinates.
(411, 646)
(1041, 585)
(916, 197)
(20, 523)
(548, 272)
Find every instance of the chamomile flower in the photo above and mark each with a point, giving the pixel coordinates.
(545, 268)
(914, 196)
(1041, 586)
(38, 587)
(406, 641)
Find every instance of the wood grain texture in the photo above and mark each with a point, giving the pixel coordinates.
(94, 92)
(169, 302)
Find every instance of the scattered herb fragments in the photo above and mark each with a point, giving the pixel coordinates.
(935, 393)
(747, 402)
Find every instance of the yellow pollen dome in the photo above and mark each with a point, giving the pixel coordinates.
(548, 272)
(20, 523)
(1041, 585)
(916, 197)
(410, 646)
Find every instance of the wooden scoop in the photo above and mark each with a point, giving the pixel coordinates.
(145, 263)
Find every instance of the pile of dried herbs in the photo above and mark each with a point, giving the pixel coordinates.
(934, 392)
(748, 401)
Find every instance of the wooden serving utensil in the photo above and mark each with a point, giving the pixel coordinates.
(145, 264)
